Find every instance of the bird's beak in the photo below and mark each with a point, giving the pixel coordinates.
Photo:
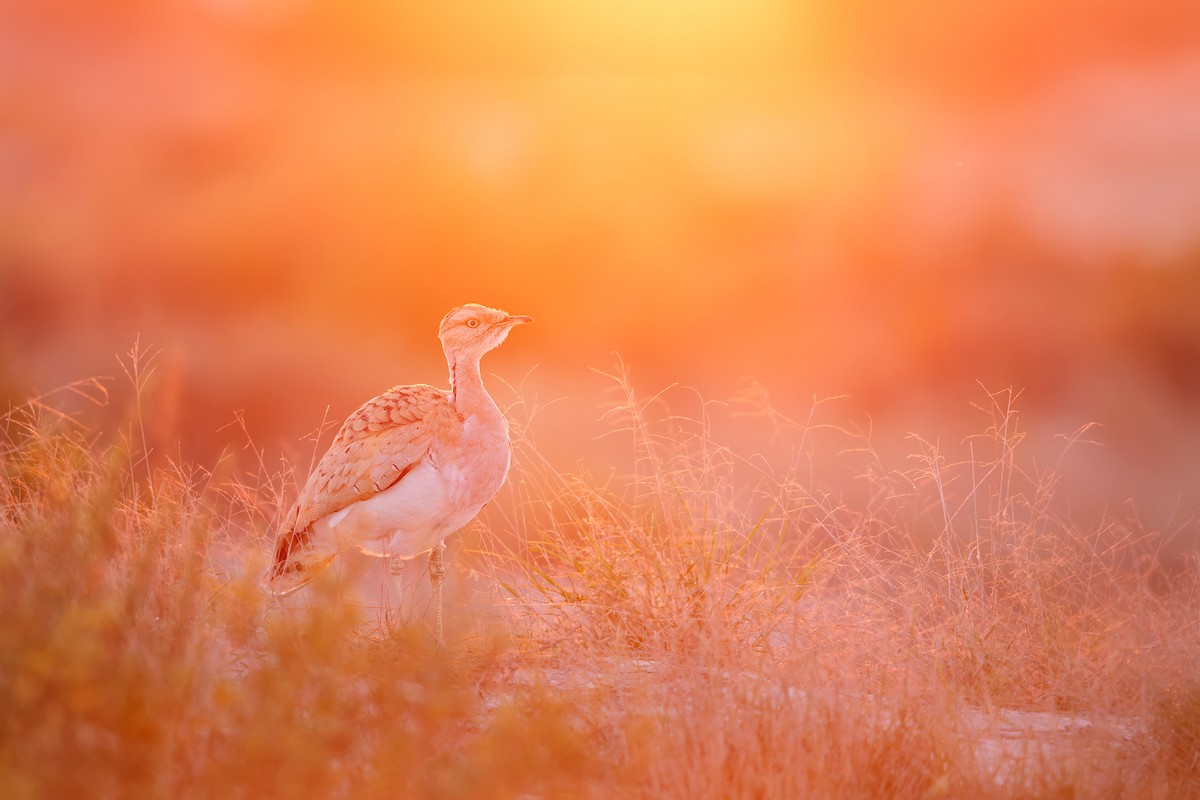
(518, 319)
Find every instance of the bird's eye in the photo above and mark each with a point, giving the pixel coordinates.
(472, 323)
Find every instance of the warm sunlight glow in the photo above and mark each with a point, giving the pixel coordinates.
(884, 202)
(678, 27)
(855, 451)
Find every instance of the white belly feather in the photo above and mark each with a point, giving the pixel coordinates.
(404, 520)
(422, 509)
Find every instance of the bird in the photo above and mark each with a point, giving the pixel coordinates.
(406, 469)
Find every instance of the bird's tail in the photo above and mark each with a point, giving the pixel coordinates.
(297, 562)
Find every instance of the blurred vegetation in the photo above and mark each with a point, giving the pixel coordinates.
(889, 205)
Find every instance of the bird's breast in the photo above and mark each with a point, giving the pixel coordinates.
(475, 466)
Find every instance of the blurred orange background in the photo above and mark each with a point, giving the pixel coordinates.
(894, 203)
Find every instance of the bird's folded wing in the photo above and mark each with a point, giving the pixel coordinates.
(375, 448)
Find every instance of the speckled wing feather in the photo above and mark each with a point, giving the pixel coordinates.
(376, 447)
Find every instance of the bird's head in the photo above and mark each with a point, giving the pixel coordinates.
(472, 330)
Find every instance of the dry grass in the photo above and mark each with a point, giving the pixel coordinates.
(696, 624)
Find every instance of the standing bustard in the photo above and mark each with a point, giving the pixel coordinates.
(407, 469)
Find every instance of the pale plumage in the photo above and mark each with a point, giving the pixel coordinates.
(407, 468)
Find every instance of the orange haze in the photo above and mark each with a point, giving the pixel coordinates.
(892, 203)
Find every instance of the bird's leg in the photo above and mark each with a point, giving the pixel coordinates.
(437, 571)
(396, 568)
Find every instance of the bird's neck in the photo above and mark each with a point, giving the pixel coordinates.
(466, 387)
